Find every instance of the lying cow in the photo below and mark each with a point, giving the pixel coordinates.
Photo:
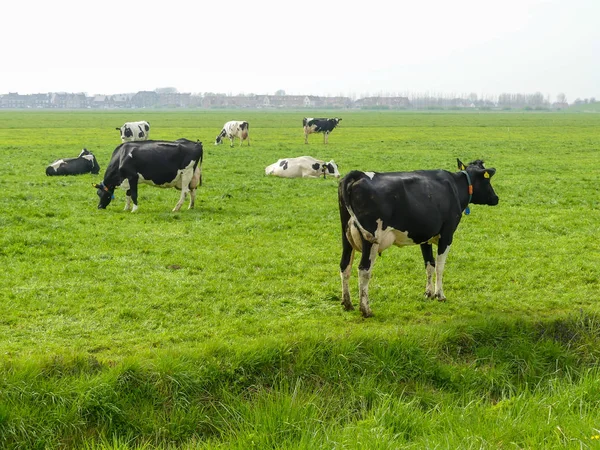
(134, 131)
(160, 163)
(234, 129)
(319, 125)
(302, 167)
(379, 210)
(84, 163)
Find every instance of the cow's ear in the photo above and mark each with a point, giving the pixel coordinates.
(489, 173)
(461, 166)
(97, 186)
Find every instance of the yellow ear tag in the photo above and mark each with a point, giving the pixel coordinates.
(462, 167)
(486, 175)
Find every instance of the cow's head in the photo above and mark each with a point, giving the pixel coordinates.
(480, 178)
(105, 193)
(336, 120)
(84, 152)
(331, 169)
(125, 131)
(219, 139)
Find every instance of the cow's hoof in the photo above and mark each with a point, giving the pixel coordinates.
(348, 306)
(367, 314)
(440, 298)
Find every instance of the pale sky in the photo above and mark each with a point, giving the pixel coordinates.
(328, 47)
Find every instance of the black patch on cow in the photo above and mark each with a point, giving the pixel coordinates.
(127, 132)
(316, 166)
(284, 164)
(330, 168)
(321, 124)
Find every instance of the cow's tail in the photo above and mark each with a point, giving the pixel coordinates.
(345, 188)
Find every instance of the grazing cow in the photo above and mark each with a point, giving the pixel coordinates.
(135, 131)
(234, 129)
(160, 163)
(302, 167)
(319, 125)
(84, 163)
(379, 210)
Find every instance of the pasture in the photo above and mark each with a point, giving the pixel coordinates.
(221, 327)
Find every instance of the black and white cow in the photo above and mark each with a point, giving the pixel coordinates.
(159, 163)
(319, 125)
(424, 207)
(134, 131)
(302, 167)
(234, 129)
(84, 163)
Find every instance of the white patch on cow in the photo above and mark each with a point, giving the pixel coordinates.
(56, 164)
(440, 262)
(90, 158)
(370, 174)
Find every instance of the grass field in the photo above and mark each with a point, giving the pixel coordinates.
(221, 327)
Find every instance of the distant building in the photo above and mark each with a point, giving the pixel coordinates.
(383, 103)
(145, 99)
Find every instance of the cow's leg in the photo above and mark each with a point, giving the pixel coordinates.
(186, 178)
(133, 189)
(345, 270)
(127, 200)
(192, 198)
(439, 272)
(325, 137)
(305, 135)
(231, 140)
(427, 251)
(367, 260)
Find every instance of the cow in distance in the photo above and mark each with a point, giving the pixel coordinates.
(234, 129)
(134, 131)
(319, 125)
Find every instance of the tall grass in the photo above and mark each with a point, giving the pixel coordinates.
(221, 327)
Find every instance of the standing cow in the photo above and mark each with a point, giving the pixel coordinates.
(320, 125)
(303, 167)
(159, 163)
(84, 163)
(234, 129)
(378, 210)
(135, 131)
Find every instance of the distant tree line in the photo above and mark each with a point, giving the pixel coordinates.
(170, 98)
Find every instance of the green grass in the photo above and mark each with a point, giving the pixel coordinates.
(221, 327)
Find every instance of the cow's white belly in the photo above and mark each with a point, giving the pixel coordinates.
(385, 238)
